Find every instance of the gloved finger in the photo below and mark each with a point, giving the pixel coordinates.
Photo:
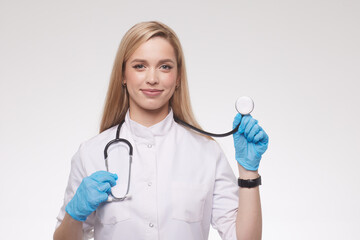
(261, 137)
(250, 124)
(237, 120)
(103, 197)
(254, 130)
(104, 176)
(104, 187)
(244, 122)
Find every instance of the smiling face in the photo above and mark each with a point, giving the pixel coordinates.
(151, 77)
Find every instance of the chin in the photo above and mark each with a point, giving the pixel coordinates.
(154, 107)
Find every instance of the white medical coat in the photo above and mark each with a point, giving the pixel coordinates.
(180, 183)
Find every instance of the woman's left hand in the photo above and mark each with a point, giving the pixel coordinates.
(250, 142)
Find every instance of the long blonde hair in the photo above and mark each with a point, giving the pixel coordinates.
(117, 99)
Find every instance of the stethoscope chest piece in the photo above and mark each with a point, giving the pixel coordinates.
(244, 105)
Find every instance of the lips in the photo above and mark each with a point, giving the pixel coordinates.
(151, 92)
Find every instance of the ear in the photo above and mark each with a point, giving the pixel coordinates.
(178, 81)
(123, 77)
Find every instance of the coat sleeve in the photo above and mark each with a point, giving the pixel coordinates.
(225, 200)
(77, 173)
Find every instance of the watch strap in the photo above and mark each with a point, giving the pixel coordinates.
(249, 183)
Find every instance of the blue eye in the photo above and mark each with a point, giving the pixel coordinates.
(138, 66)
(166, 67)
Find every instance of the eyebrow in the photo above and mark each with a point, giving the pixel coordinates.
(160, 62)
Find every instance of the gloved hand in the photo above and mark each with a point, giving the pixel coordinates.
(250, 142)
(92, 191)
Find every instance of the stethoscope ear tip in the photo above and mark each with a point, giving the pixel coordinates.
(244, 105)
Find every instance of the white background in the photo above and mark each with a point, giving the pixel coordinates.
(298, 60)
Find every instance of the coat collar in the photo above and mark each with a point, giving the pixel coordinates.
(159, 129)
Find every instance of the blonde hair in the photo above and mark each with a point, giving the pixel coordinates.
(117, 99)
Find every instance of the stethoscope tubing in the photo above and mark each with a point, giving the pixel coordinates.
(118, 139)
(207, 133)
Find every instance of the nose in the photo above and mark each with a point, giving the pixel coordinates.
(152, 78)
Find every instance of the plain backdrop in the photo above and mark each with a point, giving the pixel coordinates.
(298, 60)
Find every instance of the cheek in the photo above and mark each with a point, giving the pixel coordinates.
(169, 80)
(133, 77)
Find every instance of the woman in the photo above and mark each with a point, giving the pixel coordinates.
(180, 180)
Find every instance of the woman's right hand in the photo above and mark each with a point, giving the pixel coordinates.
(92, 191)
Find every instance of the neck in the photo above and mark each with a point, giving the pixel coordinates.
(148, 118)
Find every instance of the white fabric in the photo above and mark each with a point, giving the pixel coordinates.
(181, 183)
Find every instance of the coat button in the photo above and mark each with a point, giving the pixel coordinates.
(149, 146)
(151, 225)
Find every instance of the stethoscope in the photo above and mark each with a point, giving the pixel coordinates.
(243, 105)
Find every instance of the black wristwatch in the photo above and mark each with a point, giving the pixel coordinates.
(249, 183)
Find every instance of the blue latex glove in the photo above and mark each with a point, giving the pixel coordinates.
(250, 142)
(92, 191)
